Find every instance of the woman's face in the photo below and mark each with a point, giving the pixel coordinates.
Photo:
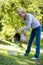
(22, 14)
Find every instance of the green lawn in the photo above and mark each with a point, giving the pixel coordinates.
(17, 60)
(7, 59)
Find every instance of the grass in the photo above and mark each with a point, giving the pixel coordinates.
(41, 46)
(42, 33)
(7, 59)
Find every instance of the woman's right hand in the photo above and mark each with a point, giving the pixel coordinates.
(18, 31)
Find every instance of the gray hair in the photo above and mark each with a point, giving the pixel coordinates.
(19, 10)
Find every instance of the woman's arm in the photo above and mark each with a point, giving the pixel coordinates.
(29, 20)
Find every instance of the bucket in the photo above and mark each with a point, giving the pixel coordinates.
(19, 38)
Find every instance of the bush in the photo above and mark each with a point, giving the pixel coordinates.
(9, 19)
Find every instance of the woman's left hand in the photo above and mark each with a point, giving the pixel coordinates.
(24, 33)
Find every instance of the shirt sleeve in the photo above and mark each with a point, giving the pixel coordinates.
(29, 20)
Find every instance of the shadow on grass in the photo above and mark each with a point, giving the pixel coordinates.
(17, 60)
(4, 42)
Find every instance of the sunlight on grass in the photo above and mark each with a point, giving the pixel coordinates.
(16, 48)
(3, 52)
(7, 58)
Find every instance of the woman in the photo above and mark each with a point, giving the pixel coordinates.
(30, 21)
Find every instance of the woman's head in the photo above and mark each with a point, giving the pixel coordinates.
(21, 12)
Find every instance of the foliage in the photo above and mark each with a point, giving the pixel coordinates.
(11, 22)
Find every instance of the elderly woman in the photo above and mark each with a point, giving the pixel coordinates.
(30, 21)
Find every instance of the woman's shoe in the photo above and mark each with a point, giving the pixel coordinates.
(34, 58)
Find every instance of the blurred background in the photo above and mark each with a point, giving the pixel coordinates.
(10, 22)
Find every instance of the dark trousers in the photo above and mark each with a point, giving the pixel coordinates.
(35, 33)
